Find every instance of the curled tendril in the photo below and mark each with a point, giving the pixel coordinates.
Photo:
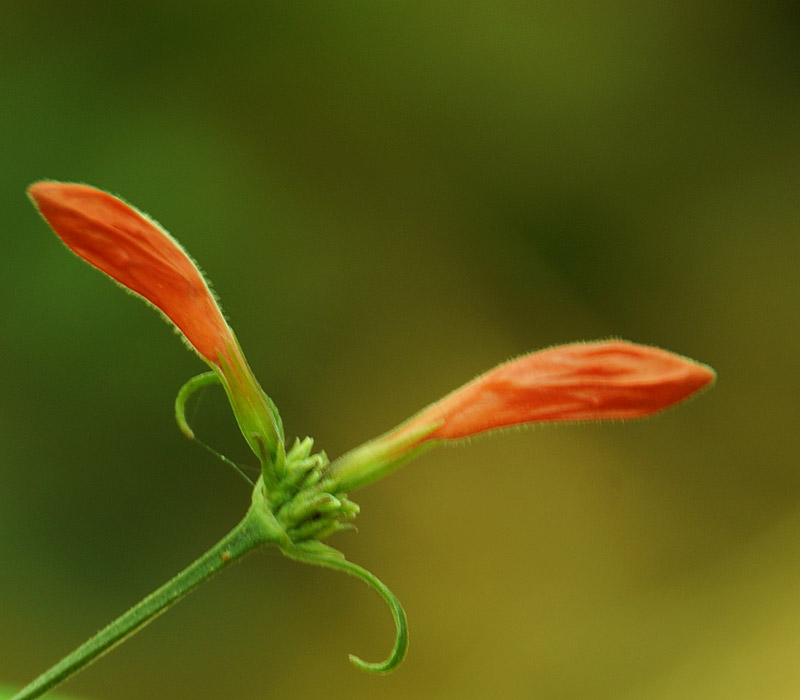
(193, 385)
(322, 555)
(186, 391)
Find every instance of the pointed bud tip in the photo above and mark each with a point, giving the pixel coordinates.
(53, 192)
(41, 192)
(703, 376)
(40, 188)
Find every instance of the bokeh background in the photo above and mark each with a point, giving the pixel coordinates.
(390, 198)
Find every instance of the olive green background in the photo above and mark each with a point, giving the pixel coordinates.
(390, 197)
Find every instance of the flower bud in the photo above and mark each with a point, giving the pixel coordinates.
(135, 251)
(586, 381)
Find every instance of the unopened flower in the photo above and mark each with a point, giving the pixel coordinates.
(134, 250)
(587, 381)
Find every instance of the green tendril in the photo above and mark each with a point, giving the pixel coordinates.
(186, 391)
(318, 554)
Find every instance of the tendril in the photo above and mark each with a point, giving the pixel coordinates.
(186, 391)
(314, 552)
(191, 387)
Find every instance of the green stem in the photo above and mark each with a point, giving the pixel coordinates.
(249, 534)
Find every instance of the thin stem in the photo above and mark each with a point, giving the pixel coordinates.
(249, 534)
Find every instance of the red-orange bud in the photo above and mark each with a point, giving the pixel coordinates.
(598, 380)
(135, 251)
(583, 381)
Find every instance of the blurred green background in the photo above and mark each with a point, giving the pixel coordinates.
(390, 198)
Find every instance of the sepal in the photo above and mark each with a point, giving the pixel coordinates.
(375, 459)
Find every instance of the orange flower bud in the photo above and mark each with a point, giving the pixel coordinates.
(135, 251)
(600, 380)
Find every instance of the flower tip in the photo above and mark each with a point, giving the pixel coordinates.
(38, 187)
(48, 191)
(63, 203)
(34, 188)
(703, 377)
(38, 192)
(646, 379)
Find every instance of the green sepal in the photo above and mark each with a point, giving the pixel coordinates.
(375, 459)
(255, 412)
